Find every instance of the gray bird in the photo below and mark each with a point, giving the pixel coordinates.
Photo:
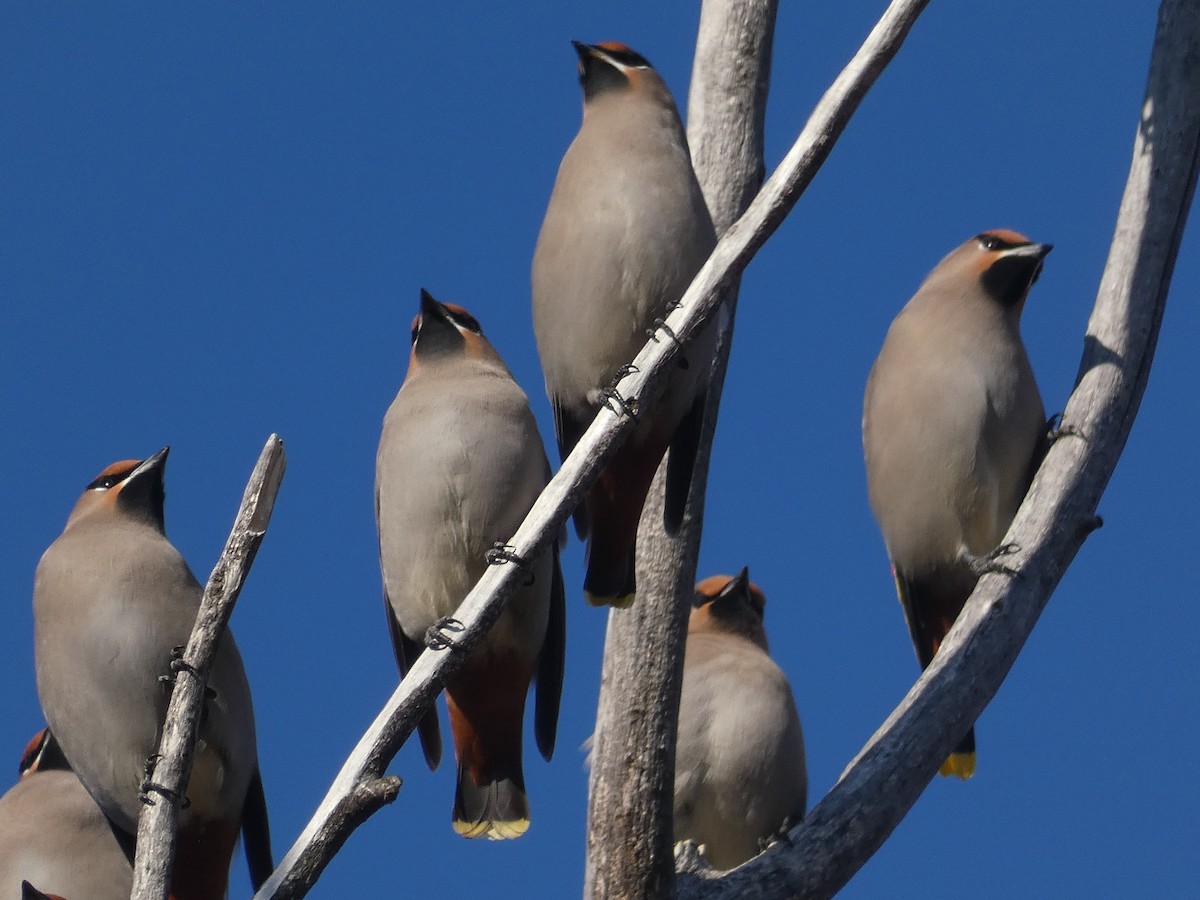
(53, 835)
(953, 431)
(112, 598)
(626, 230)
(460, 463)
(740, 775)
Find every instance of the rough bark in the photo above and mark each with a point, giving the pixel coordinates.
(884, 780)
(159, 820)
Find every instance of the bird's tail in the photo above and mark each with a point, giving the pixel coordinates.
(203, 852)
(930, 607)
(487, 707)
(961, 763)
(614, 506)
(497, 809)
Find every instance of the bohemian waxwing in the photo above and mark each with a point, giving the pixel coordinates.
(624, 234)
(460, 463)
(740, 775)
(54, 836)
(953, 431)
(112, 598)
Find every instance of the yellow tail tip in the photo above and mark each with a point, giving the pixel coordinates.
(493, 831)
(618, 602)
(960, 765)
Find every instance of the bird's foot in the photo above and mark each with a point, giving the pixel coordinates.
(437, 636)
(782, 835)
(617, 402)
(691, 857)
(501, 553)
(990, 563)
(1056, 428)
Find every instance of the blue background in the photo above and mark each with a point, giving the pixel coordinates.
(213, 225)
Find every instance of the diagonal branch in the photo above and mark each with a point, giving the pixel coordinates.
(884, 780)
(159, 821)
(640, 387)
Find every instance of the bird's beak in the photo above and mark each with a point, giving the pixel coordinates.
(143, 492)
(585, 51)
(432, 312)
(740, 583)
(156, 463)
(737, 589)
(1032, 251)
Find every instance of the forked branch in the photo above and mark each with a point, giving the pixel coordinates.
(884, 780)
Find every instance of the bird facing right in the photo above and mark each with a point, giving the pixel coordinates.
(112, 598)
(953, 431)
(740, 775)
(625, 232)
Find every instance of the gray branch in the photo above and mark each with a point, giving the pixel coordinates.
(159, 821)
(887, 776)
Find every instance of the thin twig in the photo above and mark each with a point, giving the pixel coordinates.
(159, 821)
(887, 776)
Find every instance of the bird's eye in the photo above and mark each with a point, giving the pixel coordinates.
(104, 482)
(990, 242)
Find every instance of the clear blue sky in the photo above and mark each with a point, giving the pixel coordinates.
(214, 226)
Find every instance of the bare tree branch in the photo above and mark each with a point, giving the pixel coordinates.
(159, 821)
(887, 776)
(641, 386)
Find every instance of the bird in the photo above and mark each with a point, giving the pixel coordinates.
(114, 602)
(53, 835)
(953, 431)
(625, 231)
(740, 774)
(460, 463)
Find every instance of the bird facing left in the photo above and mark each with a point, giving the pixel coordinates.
(112, 599)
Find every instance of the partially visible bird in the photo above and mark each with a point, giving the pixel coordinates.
(953, 431)
(460, 463)
(113, 599)
(54, 836)
(625, 231)
(740, 774)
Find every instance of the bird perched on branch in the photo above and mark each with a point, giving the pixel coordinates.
(740, 775)
(625, 232)
(953, 431)
(460, 463)
(113, 603)
(53, 835)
